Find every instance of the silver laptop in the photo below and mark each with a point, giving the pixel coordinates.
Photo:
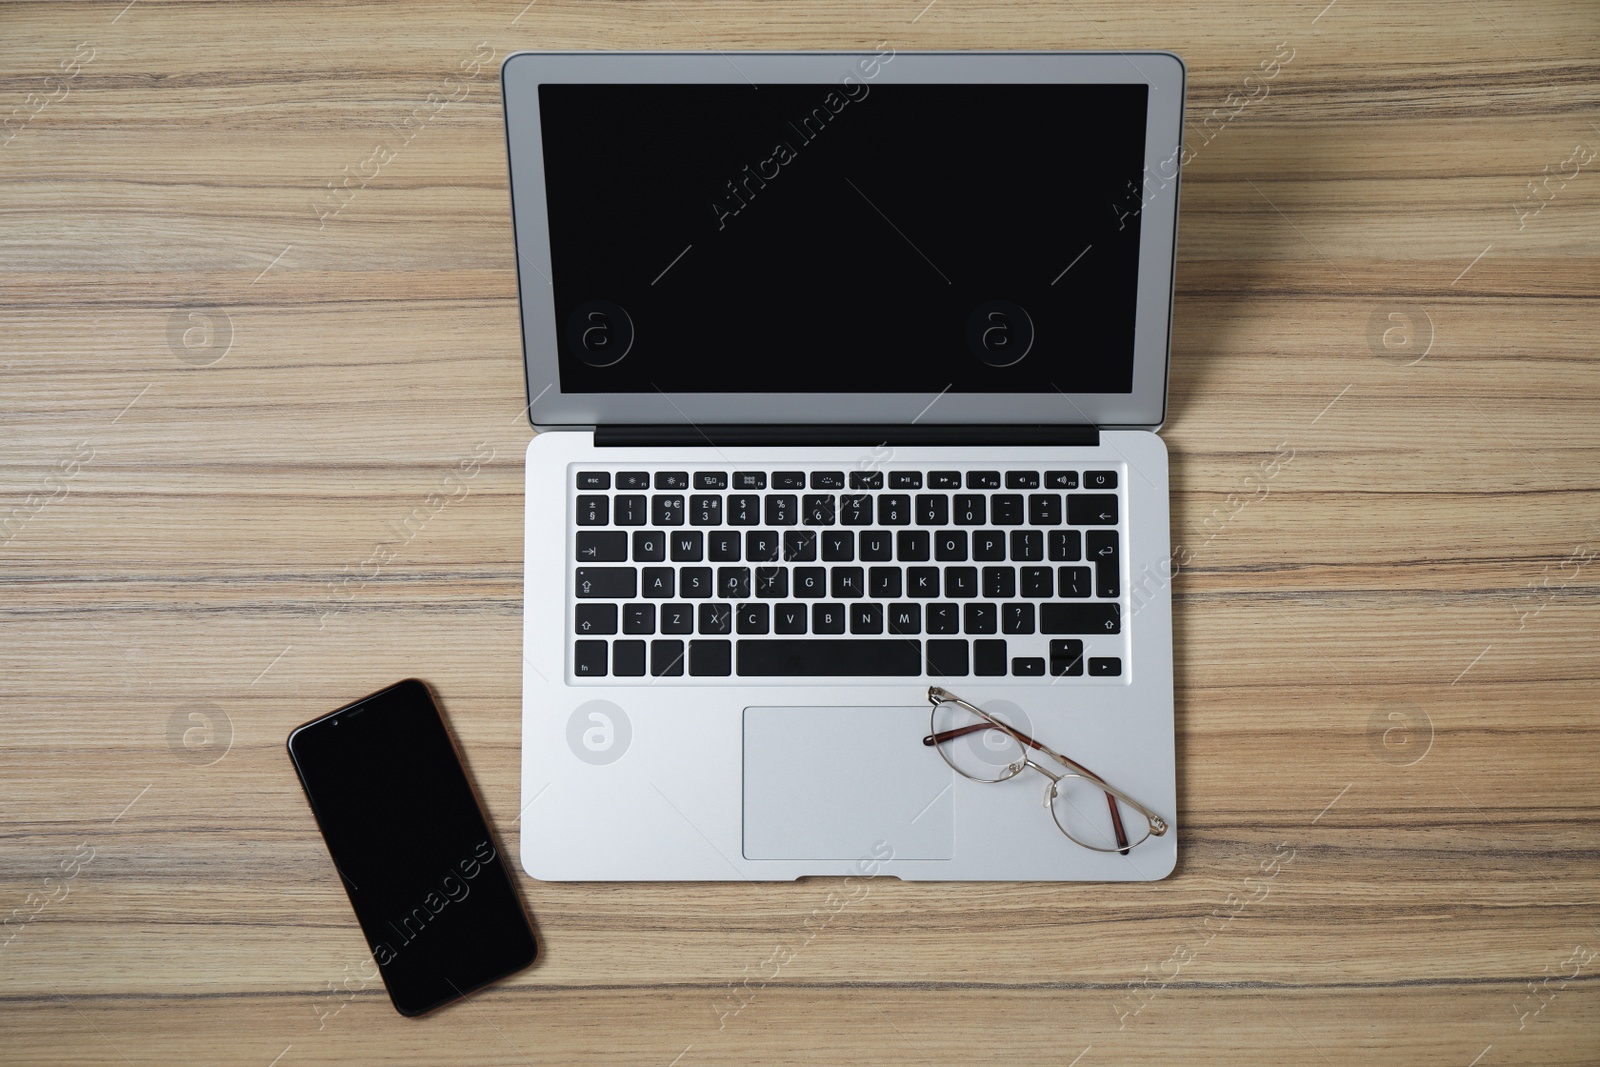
(847, 533)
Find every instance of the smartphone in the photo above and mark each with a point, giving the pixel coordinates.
(431, 890)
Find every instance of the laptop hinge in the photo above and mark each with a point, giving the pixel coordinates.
(729, 435)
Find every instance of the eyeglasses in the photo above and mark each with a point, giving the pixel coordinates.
(980, 746)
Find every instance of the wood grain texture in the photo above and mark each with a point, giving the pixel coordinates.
(1387, 652)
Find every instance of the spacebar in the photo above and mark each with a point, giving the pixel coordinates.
(844, 658)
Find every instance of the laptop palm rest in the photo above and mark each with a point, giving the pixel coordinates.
(828, 783)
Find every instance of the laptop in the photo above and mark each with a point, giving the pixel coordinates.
(847, 371)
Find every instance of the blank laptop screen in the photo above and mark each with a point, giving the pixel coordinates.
(867, 238)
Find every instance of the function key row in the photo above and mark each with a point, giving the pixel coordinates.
(596, 480)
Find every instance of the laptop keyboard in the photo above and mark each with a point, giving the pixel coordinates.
(814, 573)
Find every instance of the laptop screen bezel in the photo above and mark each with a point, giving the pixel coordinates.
(1144, 407)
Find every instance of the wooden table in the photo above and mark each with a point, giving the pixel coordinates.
(237, 348)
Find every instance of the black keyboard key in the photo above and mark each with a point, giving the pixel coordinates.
(810, 582)
(749, 479)
(883, 583)
(817, 510)
(633, 480)
(905, 479)
(950, 546)
(827, 479)
(666, 659)
(894, 509)
(658, 583)
(1066, 545)
(594, 479)
(788, 479)
(782, 510)
(1027, 666)
(594, 619)
(649, 546)
(989, 658)
(1101, 546)
(827, 618)
(1061, 479)
(713, 659)
(589, 659)
(594, 510)
(969, 509)
(761, 546)
(716, 618)
(983, 479)
(866, 479)
(944, 479)
(733, 583)
(606, 583)
(1027, 546)
(1044, 509)
(922, 581)
(960, 582)
(944, 619)
(855, 510)
(772, 583)
(849, 583)
(639, 619)
(932, 509)
(776, 658)
(876, 546)
(688, 546)
(999, 583)
(912, 546)
(1022, 479)
(1080, 618)
(1092, 509)
(947, 659)
(980, 619)
(905, 618)
(744, 509)
(672, 479)
(596, 546)
(710, 480)
(666, 510)
(1075, 583)
(722, 546)
(839, 545)
(1066, 658)
(866, 618)
(1005, 509)
(1038, 583)
(1105, 667)
(627, 659)
(631, 510)
(1099, 479)
(988, 545)
(753, 618)
(789, 618)
(705, 510)
(799, 546)
(1016, 618)
(695, 583)
(677, 618)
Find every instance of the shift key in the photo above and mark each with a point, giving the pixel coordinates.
(1080, 618)
(607, 583)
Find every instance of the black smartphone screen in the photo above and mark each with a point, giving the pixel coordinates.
(429, 886)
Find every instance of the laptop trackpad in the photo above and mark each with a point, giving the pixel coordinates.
(832, 783)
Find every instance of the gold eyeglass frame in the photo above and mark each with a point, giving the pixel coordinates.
(1157, 826)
